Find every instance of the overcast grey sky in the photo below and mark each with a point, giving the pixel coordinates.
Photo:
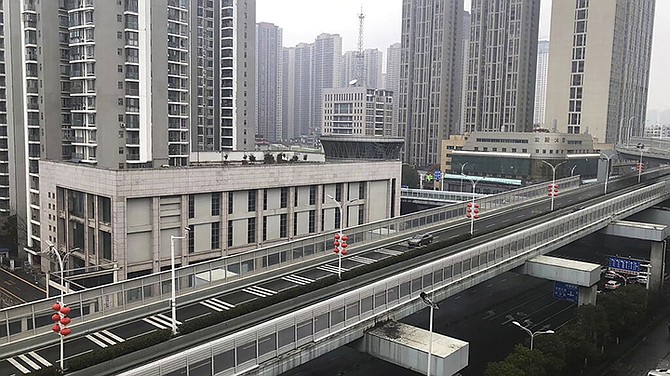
(303, 20)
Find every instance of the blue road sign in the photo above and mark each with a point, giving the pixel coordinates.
(624, 265)
(437, 175)
(566, 291)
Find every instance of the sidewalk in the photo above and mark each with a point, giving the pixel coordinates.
(652, 353)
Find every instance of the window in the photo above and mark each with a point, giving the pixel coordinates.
(283, 225)
(216, 204)
(312, 221)
(338, 192)
(312, 195)
(361, 190)
(191, 206)
(230, 233)
(191, 239)
(284, 197)
(230, 202)
(265, 228)
(216, 232)
(251, 230)
(251, 203)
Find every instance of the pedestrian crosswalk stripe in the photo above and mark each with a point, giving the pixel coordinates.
(331, 269)
(18, 365)
(362, 260)
(259, 291)
(29, 361)
(389, 252)
(297, 279)
(160, 321)
(40, 359)
(217, 305)
(96, 341)
(113, 336)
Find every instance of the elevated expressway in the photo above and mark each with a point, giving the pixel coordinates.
(319, 322)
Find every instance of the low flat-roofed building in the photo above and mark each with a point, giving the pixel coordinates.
(519, 156)
(127, 217)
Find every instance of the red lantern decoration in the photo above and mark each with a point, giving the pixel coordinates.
(65, 331)
(337, 244)
(336, 250)
(56, 307)
(56, 328)
(65, 310)
(344, 245)
(345, 238)
(476, 216)
(65, 321)
(344, 252)
(476, 206)
(55, 317)
(468, 215)
(337, 236)
(469, 204)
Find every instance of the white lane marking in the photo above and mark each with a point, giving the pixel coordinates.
(299, 278)
(159, 326)
(37, 357)
(389, 252)
(166, 319)
(96, 341)
(362, 260)
(18, 365)
(292, 279)
(331, 269)
(259, 291)
(114, 336)
(103, 337)
(224, 304)
(29, 361)
(209, 305)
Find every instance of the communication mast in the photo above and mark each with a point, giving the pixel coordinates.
(360, 58)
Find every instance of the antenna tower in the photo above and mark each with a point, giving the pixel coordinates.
(360, 59)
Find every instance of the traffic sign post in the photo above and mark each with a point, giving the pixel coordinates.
(566, 291)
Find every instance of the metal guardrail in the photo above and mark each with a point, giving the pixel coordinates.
(249, 348)
(429, 195)
(34, 318)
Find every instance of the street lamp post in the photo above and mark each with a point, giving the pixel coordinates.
(173, 295)
(639, 165)
(532, 334)
(572, 170)
(553, 193)
(340, 239)
(60, 317)
(628, 129)
(607, 172)
(433, 306)
(474, 207)
(462, 167)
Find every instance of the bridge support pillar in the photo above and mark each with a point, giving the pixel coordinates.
(407, 346)
(657, 261)
(587, 295)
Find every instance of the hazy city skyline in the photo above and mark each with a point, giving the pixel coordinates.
(382, 28)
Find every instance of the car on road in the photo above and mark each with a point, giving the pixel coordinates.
(611, 274)
(420, 239)
(612, 285)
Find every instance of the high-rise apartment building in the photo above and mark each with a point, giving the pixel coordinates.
(541, 81)
(325, 73)
(125, 84)
(392, 79)
(501, 65)
(269, 55)
(297, 90)
(464, 71)
(357, 111)
(372, 68)
(599, 70)
(430, 71)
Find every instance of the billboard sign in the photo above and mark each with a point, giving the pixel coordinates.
(566, 291)
(624, 265)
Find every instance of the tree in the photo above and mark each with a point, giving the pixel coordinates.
(410, 177)
(503, 369)
(268, 158)
(252, 158)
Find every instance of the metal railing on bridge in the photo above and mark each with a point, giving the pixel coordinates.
(438, 196)
(34, 318)
(361, 308)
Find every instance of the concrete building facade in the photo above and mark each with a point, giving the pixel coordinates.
(599, 72)
(357, 111)
(269, 82)
(430, 77)
(325, 67)
(464, 68)
(372, 68)
(392, 79)
(501, 65)
(124, 85)
(541, 82)
(297, 90)
(126, 217)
